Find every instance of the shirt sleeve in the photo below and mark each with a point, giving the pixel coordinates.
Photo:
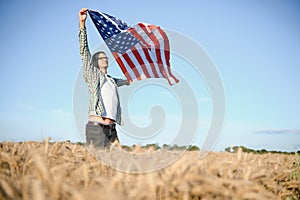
(121, 82)
(85, 56)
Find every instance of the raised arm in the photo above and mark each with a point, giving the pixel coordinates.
(84, 49)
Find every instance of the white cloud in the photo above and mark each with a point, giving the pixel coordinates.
(28, 107)
(279, 131)
(37, 124)
(52, 113)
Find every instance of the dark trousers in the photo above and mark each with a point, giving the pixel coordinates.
(100, 135)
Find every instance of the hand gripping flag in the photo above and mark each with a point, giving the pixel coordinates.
(142, 51)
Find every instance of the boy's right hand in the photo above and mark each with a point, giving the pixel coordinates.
(82, 17)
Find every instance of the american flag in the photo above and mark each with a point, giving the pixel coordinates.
(142, 51)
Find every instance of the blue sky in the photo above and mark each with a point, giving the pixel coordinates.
(255, 46)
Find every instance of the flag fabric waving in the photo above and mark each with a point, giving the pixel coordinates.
(142, 51)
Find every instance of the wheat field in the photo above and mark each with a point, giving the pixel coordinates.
(63, 170)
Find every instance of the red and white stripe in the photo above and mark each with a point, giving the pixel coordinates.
(148, 59)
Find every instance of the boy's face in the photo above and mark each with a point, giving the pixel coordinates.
(102, 60)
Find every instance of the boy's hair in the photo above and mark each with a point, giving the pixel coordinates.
(95, 58)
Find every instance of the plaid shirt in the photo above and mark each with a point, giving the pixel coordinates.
(95, 79)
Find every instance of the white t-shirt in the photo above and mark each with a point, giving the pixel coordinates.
(109, 98)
